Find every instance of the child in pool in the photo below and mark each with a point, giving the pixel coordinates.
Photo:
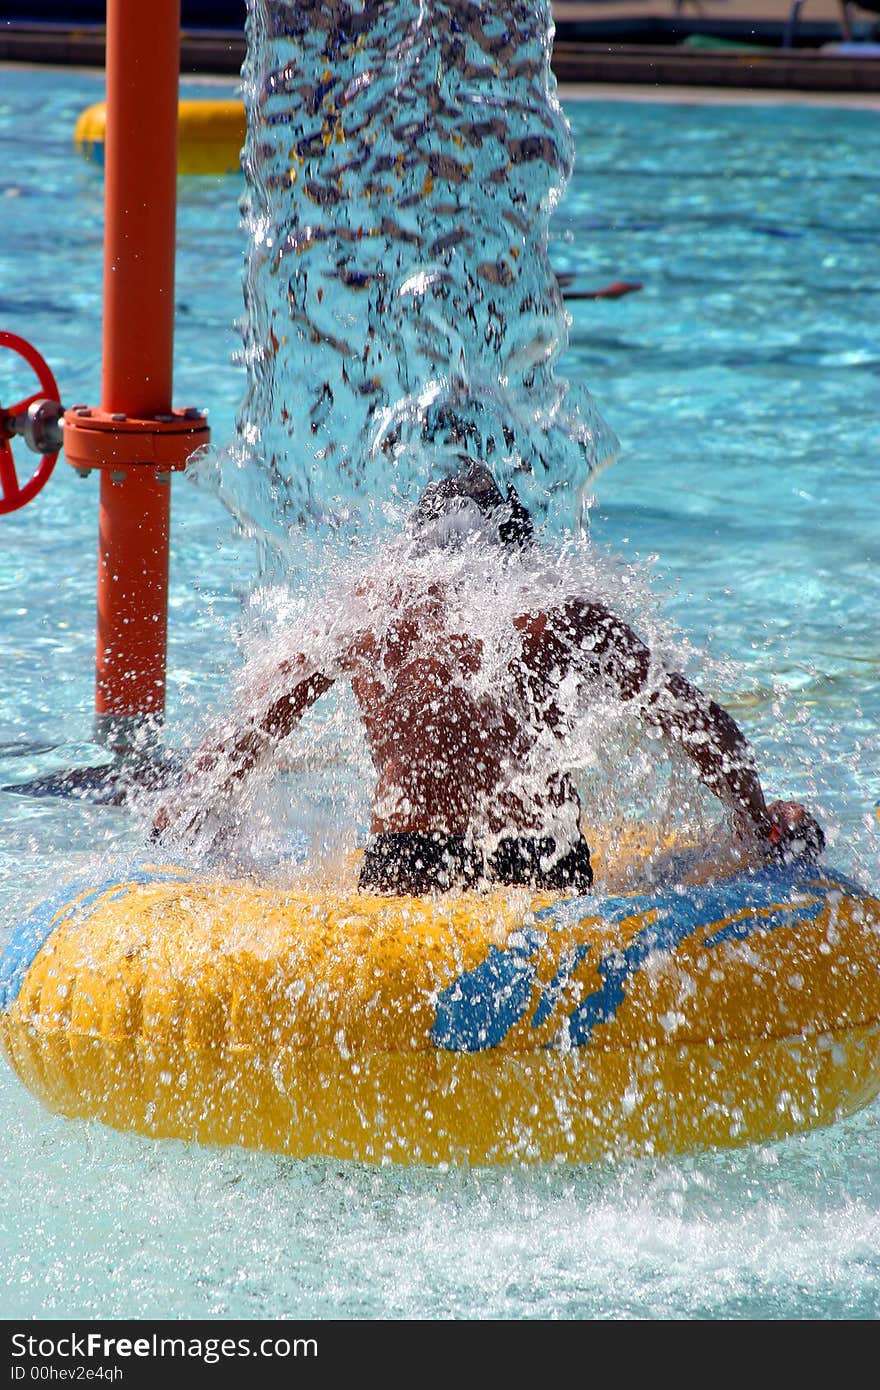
(461, 799)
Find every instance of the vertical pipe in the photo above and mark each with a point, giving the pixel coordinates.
(140, 208)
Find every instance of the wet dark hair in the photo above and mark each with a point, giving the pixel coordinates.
(474, 483)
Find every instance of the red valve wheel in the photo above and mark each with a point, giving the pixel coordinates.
(12, 496)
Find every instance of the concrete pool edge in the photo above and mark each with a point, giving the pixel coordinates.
(735, 68)
(684, 94)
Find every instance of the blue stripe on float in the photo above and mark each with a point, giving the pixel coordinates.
(33, 931)
(553, 993)
(477, 1010)
(671, 926)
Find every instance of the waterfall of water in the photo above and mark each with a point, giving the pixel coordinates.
(403, 161)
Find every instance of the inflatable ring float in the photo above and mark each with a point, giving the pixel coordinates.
(210, 135)
(505, 1027)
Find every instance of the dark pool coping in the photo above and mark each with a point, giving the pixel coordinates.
(664, 63)
(83, 45)
(787, 70)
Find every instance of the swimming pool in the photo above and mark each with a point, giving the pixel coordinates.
(742, 383)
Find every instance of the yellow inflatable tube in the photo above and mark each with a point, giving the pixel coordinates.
(210, 135)
(481, 1029)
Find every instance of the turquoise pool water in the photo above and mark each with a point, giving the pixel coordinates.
(742, 383)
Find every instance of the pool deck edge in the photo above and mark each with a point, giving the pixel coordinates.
(574, 63)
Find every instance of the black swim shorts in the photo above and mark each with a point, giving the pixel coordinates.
(407, 863)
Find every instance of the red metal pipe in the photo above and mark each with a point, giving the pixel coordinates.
(140, 205)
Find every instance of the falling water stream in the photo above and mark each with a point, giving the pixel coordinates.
(403, 161)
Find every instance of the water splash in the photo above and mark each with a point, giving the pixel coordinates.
(305, 808)
(403, 161)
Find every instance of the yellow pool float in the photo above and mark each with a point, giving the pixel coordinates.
(210, 135)
(496, 1028)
